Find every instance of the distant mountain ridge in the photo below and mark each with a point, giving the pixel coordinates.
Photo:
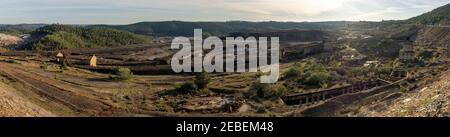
(181, 28)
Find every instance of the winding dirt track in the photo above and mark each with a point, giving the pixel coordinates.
(81, 101)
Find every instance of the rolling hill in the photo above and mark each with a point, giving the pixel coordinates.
(55, 37)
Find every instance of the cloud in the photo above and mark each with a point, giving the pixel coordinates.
(129, 11)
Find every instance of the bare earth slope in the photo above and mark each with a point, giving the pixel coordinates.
(430, 101)
(13, 105)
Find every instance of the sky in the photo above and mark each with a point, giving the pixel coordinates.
(132, 11)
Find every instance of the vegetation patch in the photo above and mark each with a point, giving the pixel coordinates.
(58, 37)
(308, 74)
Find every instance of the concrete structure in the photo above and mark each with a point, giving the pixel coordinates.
(306, 98)
(93, 61)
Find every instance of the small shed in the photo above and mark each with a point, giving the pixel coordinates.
(93, 61)
(59, 56)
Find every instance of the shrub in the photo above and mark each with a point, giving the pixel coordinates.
(267, 91)
(292, 73)
(199, 86)
(186, 88)
(202, 80)
(313, 79)
(124, 74)
(309, 74)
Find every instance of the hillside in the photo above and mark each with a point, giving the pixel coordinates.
(433, 17)
(180, 28)
(54, 37)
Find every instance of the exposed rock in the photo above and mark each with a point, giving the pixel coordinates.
(8, 40)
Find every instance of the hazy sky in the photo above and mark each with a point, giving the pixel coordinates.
(130, 11)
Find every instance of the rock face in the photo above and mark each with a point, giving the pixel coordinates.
(8, 40)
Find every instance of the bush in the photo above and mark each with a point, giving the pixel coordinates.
(314, 79)
(292, 73)
(309, 74)
(186, 88)
(199, 86)
(267, 91)
(124, 74)
(202, 80)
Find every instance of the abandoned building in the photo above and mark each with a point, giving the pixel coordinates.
(407, 53)
(93, 61)
(59, 57)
